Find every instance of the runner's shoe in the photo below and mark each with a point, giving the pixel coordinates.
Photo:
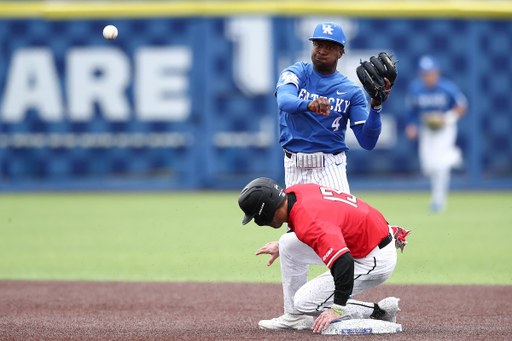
(288, 321)
(390, 308)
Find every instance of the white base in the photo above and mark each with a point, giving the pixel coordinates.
(366, 326)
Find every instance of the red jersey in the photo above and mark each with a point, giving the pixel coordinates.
(333, 222)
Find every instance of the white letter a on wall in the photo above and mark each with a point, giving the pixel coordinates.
(32, 83)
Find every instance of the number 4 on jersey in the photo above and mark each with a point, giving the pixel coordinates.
(336, 123)
(328, 194)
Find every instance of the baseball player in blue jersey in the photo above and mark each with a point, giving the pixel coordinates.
(434, 105)
(316, 103)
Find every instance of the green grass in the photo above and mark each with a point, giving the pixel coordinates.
(198, 236)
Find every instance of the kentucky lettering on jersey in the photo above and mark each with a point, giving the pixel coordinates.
(433, 100)
(338, 104)
(310, 132)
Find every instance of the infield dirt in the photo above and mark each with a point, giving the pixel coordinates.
(39, 310)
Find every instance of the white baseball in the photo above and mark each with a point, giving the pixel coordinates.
(110, 32)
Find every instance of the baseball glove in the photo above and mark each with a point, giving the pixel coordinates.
(372, 73)
(434, 120)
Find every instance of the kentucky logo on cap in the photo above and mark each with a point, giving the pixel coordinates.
(327, 29)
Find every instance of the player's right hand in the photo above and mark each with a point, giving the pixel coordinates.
(320, 105)
(323, 321)
(272, 249)
(411, 131)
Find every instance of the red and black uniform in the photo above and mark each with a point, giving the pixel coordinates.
(338, 226)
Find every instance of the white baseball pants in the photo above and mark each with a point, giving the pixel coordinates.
(438, 154)
(317, 295)
(332, 175)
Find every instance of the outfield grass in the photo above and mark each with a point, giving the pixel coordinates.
(198, 236)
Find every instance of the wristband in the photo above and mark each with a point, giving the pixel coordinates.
(377, 107)
(338, 309)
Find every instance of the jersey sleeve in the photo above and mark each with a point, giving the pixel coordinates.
(358, 108)
(288, 100)
(461, 100)
(290, 75)
(342, 270)
(456, 95)
(368, 134)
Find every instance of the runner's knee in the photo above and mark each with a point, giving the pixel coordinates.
(304, 302)
(287, 243)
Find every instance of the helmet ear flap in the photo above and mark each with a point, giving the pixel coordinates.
(262, 219)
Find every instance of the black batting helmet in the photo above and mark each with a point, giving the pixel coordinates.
(260, 200)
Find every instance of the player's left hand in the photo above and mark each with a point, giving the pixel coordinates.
(386, 88)
(272, 249)
(320, 105)
(388, 84)
(323, 321)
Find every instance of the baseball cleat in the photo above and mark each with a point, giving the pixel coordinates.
(437, 207)
(390, 307)
(288, 321)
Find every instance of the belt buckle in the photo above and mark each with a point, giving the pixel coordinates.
(310, 160)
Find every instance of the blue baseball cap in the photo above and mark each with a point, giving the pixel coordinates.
(427, 64)
(331, 32)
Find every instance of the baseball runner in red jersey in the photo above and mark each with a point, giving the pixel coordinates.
(337, 229)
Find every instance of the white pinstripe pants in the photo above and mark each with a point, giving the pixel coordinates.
(333, 175)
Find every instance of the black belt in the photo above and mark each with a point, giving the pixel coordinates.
(386, 241)
(289, 155)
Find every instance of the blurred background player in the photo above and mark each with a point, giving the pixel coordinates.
(434, 104)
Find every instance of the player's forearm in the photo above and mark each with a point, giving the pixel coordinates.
(373, 125)
(343, 272)
(368, 133)
(288, 101)
(460, 110)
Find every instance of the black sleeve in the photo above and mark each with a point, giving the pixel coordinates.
(343, 272)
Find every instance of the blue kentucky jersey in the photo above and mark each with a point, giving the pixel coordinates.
(441, 98)
(310, 132)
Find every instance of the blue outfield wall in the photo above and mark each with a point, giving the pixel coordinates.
(188, 103)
